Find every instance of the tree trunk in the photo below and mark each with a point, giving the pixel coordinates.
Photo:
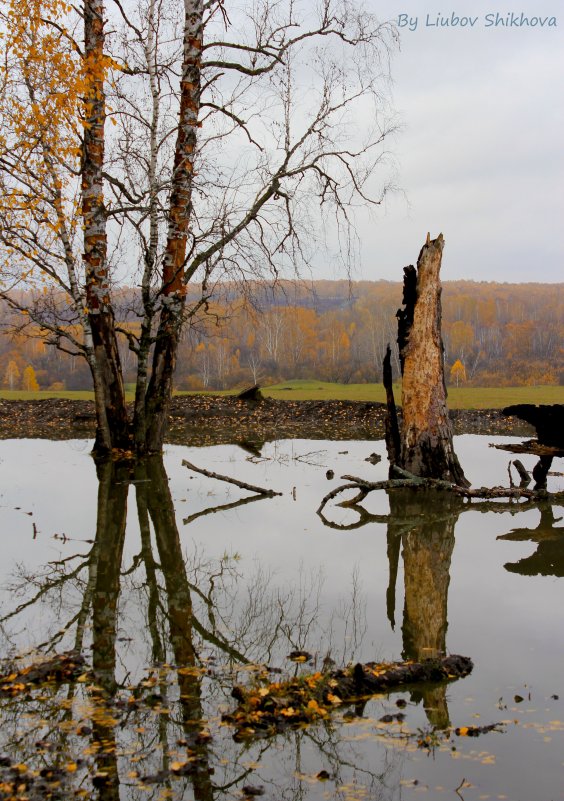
(159, 391)
(426, 438)
(111, 411)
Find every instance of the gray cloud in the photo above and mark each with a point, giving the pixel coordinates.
(480, 155)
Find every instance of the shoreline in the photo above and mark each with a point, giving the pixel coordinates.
(215, 420)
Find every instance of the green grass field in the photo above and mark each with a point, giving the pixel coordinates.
(458, 397)
(21, 394)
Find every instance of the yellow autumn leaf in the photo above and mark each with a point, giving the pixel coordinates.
(313, 706)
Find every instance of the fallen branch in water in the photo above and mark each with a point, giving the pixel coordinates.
(242, 484)
(402, 479)
(272, 708)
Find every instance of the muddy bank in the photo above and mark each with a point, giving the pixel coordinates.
(206, 420)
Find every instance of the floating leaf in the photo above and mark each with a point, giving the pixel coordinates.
(300, 656)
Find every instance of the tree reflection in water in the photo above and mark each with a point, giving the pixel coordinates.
(422, 524)
(129, 738)
(548, 559)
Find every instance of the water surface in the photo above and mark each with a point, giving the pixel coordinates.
(153, 569)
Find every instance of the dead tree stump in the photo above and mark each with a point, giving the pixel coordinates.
(426, 435)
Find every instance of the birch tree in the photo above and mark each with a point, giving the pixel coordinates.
(154, 146)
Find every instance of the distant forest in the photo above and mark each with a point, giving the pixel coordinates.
(494, 335)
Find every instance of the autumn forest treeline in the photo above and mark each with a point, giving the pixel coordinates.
(494, 335)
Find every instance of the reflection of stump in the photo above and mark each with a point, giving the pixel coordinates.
(427, 551)
(426, 435)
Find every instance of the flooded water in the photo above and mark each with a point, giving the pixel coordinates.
(176, 588)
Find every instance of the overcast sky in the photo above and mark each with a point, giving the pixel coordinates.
(480, 157)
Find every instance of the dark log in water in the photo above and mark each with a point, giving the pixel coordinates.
(272, 708)
(548, 420)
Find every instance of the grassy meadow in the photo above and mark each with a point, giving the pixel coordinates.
(458, 397)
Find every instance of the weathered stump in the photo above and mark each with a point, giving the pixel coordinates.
(426, 435)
